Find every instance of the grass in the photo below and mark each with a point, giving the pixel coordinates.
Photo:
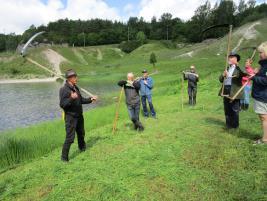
(183, 155)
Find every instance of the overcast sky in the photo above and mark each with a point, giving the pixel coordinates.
(18, 15)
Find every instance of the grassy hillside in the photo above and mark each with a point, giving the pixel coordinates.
(183, 155)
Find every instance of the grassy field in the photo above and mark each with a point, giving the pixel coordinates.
(185, 154)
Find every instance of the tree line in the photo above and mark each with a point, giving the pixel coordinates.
(137, 31)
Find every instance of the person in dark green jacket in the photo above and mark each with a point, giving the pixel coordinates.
(232, 82)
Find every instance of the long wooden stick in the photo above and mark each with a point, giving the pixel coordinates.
(182, 93)
(55, 74)
(241, 89)
(227, 56)
(117, 112)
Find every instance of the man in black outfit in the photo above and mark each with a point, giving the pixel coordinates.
(71, 102)
(131, 89)
(193, 79)
(232, 82)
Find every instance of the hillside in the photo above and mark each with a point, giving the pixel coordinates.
(185, 154)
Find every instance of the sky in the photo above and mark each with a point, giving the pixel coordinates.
(18, 15)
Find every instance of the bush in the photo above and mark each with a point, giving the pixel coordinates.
(168, 44)
(129, 46)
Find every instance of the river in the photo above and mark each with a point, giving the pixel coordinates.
(27, 104)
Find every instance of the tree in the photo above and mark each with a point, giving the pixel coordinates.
(242, 7)
(251, 4)
(153, 60)
(166, 20)
(141, 37)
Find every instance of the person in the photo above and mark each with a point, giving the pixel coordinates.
(146, 84)
(259, 91)
(71, 102)
(232, 82)
(246, 81)
(193, 79)
(131, 89)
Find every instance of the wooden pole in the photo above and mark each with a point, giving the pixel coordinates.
(117, 112)
(241, 89)
(55, 74)
(227, 55)
(182, 93)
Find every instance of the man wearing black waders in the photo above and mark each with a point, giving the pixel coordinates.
(131, 89)
(71, 102)
(193, 79)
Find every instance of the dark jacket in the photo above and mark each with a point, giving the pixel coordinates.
(238, 74)
(71, 106)
(192, 79)
(259, 88)
(131, 92)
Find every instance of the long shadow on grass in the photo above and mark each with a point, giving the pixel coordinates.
(215, 121)
(89, 144)
(240, 133)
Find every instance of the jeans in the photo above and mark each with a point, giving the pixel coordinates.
(134, 111)
(192, 93)
(145, 110)
(73, 125)
(247, 91)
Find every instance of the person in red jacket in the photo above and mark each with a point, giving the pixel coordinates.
(246, 81)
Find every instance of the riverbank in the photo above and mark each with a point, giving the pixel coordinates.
(34, 80)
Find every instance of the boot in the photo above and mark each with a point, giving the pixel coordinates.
(65, 152)
(246, 106)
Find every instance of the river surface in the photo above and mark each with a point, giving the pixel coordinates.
(30, 103)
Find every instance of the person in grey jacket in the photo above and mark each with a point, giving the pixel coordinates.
(193, 79)
(131, 89)
(146, 83)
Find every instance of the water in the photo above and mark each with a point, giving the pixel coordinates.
(27, 104)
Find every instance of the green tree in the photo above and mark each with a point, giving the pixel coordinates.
(153, 60)
(141, 37)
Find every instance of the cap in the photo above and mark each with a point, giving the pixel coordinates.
(232, 54)
(69, 73)
(144, 71)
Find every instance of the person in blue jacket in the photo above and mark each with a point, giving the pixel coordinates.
(259, 91)
(146, 83)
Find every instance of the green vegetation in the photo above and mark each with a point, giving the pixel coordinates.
(183, 155)
(101, 32)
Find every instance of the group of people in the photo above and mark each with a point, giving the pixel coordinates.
(233, 78)
(139, 91)
(71, 102)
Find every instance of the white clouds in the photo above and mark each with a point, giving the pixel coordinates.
(183, 9)
(18, 15)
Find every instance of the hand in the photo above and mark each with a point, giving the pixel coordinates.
(225, 73)
(145, 81)
(94, 98)
(74, 95)
(256, 70)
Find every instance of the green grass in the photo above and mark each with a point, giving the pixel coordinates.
(183, 155)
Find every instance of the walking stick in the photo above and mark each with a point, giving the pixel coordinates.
(117, 113)
(182, 93)
(228, 53)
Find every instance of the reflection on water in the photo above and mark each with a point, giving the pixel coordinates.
(27, 104)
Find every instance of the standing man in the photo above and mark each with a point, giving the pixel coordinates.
(146, 83)
(232, 82)
(193, 79)
(131, 89)
(71, 102)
